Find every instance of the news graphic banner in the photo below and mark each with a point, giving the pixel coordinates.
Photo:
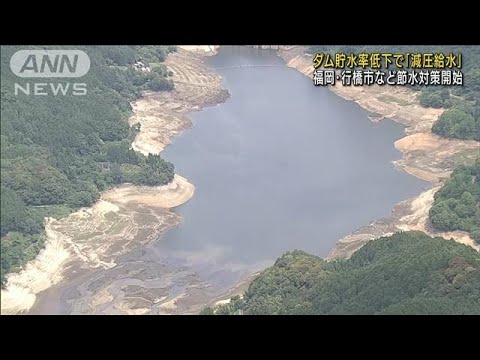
(50, 72)
(424, 69)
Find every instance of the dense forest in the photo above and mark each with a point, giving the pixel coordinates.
(59, 152)
(407, 273)
(457, 203)
(462, 118)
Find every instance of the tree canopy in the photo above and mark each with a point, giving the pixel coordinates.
(59, 152)
(457, 203)
(407, 273)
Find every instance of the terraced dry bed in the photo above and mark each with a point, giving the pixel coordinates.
(126, 217)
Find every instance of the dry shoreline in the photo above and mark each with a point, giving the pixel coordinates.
(128, 215)
(125, 216)
(424, 155)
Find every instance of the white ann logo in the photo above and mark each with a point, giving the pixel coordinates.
(50, 63)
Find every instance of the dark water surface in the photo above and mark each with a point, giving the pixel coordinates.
(281, 165)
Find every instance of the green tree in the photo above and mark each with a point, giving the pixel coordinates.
(457, 203)
(60, 152)
(407, 273)
(457, 124)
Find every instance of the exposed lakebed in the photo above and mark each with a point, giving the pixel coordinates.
(281, 165)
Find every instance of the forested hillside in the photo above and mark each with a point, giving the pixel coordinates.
(407, 273)
(59, 152)
(457, 203)
(462, 119)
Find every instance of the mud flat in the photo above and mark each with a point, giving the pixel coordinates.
(425, 155)
(127, 216)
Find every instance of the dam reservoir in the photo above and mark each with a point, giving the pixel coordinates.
(281, 165)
